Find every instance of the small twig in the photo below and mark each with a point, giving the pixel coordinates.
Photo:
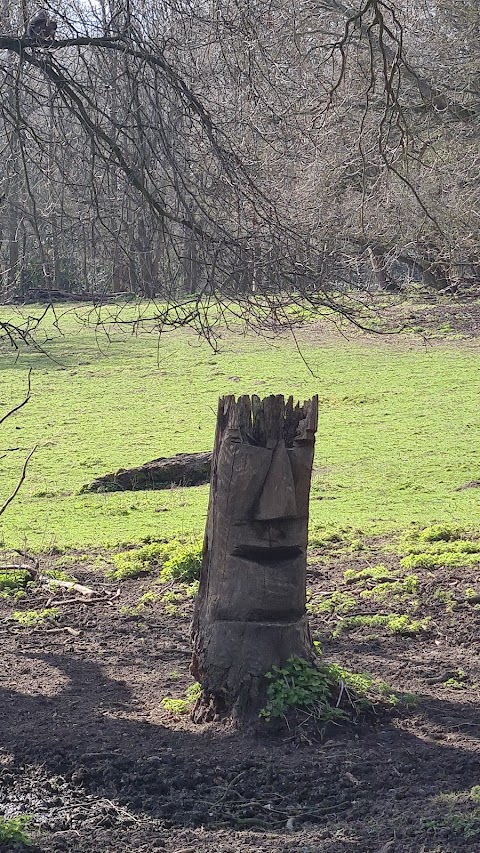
(227, 787)
(123, 811)
(73, 631)
(27, 460)
(63, 602)
(34, 573)
(33, 560)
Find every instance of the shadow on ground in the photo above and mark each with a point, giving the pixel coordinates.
(80, 760)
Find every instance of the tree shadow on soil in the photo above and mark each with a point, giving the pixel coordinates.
(84, 733)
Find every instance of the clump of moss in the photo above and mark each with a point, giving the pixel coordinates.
(440, 533)
(380, 582)
(176, 560)
(439, 546)
(375, 573)
(34, 618)
(183, 705)
(338, 602)
(182, 563)
(136, 562)
(457, 557)
(394, 623)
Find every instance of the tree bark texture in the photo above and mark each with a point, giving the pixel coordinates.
(184, 469)
(250, 612)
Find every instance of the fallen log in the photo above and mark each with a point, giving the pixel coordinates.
(184, 469)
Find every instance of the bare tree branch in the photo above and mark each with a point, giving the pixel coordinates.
(227, 164)
(20, 482)
(23, 403)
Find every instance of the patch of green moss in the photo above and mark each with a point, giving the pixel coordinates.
(399, 589)
(374, 573)
(182, 705)
(451, 558)
(13, 832)
(380, 582)
(183, 562)
(35, 618)
(439, 546)
(137, 561)
(445, 597)
(393, 622)
(338, 602)
(177, 561)
(146, 600)
(440, 533)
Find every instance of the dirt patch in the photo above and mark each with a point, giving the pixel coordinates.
(88, 751)
(405, 320)
(450, 316)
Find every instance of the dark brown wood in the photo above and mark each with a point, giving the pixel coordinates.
(250, 611)
(184, 469)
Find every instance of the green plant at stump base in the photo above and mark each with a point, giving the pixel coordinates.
(326, 692)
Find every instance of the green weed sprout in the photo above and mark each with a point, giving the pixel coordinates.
(13, 831)
(329, 693)
(14, 584)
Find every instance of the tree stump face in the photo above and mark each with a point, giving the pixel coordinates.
(259, 532)
(250, 612)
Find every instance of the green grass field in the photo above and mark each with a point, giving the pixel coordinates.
(399, 428)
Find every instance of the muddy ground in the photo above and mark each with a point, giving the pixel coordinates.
(89, 752)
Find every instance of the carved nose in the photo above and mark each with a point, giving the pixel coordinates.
(277, 499)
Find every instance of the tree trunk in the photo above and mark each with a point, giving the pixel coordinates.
(250, 612)
(384, 281)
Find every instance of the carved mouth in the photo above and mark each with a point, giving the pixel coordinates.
(267, 555)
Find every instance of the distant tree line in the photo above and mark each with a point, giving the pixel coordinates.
(248, 151)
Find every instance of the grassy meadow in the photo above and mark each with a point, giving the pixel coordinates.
(399, 428)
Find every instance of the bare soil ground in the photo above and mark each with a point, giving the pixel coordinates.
(88, 751)
(445, 316)
(441, 320)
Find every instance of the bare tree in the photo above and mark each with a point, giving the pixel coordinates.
(246, 158)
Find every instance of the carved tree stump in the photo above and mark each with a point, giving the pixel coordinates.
(250, 611)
